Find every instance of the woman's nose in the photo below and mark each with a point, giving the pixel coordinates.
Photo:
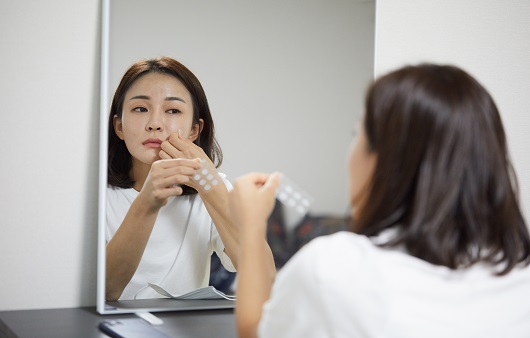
(155, 123)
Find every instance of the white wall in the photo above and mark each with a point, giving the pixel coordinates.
(488, 38)
(49, 89)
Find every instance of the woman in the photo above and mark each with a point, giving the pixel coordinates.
(438, 246)
(159, 216)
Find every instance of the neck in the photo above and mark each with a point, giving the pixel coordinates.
(139, 172)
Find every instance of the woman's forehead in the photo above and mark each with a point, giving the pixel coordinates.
(158, 85)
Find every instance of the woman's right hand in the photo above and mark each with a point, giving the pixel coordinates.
(253, 198)
(164, 180)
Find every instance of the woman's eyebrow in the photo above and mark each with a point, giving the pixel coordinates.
(175, 98)
(140, 97)
(145, 97)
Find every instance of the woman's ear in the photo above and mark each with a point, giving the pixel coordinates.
(118, 127)
(196, 130)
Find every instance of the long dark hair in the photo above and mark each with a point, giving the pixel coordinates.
(443, 176)
(119, 158)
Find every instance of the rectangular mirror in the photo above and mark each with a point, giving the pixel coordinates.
(285, 81)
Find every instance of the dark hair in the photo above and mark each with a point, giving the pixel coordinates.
(119, 158)
(443, 177)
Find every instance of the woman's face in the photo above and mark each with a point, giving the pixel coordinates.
(361, 167)
(155, 106)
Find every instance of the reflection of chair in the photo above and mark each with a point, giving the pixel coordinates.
(221, 278)
(284, 243)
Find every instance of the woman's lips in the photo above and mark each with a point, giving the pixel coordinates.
(152, 143)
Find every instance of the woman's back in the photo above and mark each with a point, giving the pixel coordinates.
(430, 170)
(345, 286)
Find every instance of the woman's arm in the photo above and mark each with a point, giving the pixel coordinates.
(216, 202)
(215, 198)
(251, 203)
(126, 247)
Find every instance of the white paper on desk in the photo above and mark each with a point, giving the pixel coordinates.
(208, 292)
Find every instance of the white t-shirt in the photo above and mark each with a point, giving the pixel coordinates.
(177, 255)
(342, 285)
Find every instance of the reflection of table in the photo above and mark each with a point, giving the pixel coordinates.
(168, 304)
(83, 322)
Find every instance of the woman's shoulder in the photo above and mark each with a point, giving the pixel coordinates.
(348, 253)
(115, 192)
(339, 250)
(338, 243)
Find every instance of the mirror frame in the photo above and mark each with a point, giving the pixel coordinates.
(103, 150)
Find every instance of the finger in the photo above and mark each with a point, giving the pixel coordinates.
(185, 145)
(168, 180)
(180, 174)
(163, 155)
(257, 179)
(178, 179)
(162, 190)
(171, 150)
(179, 162)
(182, 171)
(273, 181)
(176, 140)
(175, 190)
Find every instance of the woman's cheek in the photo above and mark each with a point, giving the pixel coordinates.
(183, 126)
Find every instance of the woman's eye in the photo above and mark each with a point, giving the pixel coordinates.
(140, 109)
(173, 111)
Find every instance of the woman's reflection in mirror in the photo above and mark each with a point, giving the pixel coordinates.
(162, 225)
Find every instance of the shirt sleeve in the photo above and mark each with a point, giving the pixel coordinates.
(295, 308)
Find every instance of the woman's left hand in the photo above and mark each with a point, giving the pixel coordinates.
(177, 146)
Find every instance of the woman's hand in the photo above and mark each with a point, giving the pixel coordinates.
(164, 180)
(178, 147)
(253, 198)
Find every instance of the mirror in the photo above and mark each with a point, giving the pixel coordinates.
(285, 81)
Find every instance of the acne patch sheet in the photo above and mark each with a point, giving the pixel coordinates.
(288, 193)
(293, 197)
(206, 179)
